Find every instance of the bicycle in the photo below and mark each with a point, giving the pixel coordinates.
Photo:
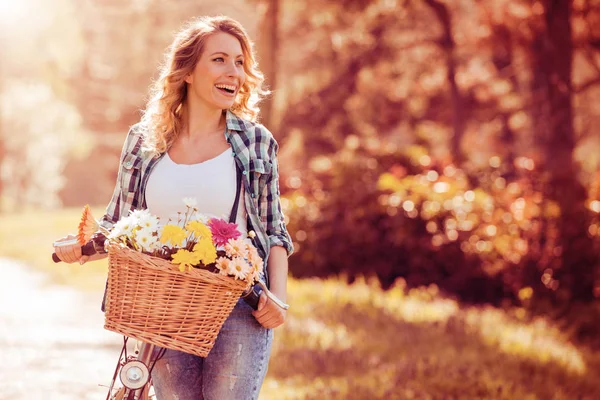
(135, 370)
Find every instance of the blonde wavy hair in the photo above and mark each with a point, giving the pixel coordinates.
(162, 120)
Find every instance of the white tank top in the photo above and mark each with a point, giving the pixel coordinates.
(212, 183)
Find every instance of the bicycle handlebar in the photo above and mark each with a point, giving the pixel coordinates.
(86, 250)
(253, 295)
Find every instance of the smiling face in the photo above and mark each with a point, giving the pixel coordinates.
(219, 73)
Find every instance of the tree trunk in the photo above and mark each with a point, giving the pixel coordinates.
(2, 152)
(552, 111)
(2, 142)
(449, 46)
(503, 58)
(267, 46)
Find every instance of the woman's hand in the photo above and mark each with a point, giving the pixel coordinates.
(68, 253)
(71, 253)
(269, 314)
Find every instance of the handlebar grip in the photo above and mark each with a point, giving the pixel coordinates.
(252, 298)
(255, 292)
(86, 250)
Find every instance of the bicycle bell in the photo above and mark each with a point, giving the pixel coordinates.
(134, 374)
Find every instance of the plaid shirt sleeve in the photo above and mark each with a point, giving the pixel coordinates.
(275, 226)
(120, 203)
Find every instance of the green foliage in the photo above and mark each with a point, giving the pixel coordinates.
(484, 234)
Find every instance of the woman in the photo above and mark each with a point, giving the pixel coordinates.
(196, 130)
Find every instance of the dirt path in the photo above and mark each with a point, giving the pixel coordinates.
(52, 341)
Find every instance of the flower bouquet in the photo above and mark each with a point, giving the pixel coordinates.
(174, 284)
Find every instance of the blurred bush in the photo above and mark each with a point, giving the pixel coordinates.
(484, 234)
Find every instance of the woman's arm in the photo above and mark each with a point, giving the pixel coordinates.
(115, 207)
(269, 314)
(277, 269)
(275, 219)
(72, 253)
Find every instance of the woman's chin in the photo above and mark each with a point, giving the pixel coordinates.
(223, 104)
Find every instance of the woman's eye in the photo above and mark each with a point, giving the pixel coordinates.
(219, 59)
(240, 62)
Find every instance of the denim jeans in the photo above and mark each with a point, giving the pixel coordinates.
(234, 369)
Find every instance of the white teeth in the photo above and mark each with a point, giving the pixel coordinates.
(228, 87)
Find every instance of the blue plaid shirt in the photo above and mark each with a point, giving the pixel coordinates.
(255, 151)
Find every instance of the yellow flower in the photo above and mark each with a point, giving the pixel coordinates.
(186, 259)
(174, 234)
(206, 251)
(199, 229)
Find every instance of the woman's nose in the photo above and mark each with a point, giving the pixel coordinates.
(232, 70)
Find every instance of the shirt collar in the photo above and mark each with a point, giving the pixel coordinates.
(235, 123)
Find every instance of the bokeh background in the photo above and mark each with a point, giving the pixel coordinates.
(440, 168)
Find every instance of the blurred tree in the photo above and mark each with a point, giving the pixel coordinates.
(376, 77)
(2, 145)
(36, 156)
(447, 43)
(124, 46)
(268, 52)
(552, 54)
(2, 158)
(38, 53)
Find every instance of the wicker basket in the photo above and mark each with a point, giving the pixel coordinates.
(149, 299)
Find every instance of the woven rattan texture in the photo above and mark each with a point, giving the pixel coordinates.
(149, 299)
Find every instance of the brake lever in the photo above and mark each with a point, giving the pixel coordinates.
(253, 295)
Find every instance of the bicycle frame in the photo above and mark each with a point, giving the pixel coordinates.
(134, 372)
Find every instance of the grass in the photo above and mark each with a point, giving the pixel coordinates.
(356, 341)
(29, 235)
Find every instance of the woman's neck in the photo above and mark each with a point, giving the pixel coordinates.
(202, 121)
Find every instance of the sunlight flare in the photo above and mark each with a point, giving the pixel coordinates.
(537, 340)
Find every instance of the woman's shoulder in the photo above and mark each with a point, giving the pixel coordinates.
(261, 134)
(254, 133)
(137, 130)
(133, 145)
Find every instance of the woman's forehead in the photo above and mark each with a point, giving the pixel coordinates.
(225, 43)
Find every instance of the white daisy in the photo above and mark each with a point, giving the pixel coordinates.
(236, 248)
(146, 239)
(124, 227)
(238, 268)
(136, 215)
(115, 232)
(149, 221)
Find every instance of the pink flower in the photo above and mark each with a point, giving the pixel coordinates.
(222, 231)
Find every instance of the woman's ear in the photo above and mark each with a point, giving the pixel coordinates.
(189, 79)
